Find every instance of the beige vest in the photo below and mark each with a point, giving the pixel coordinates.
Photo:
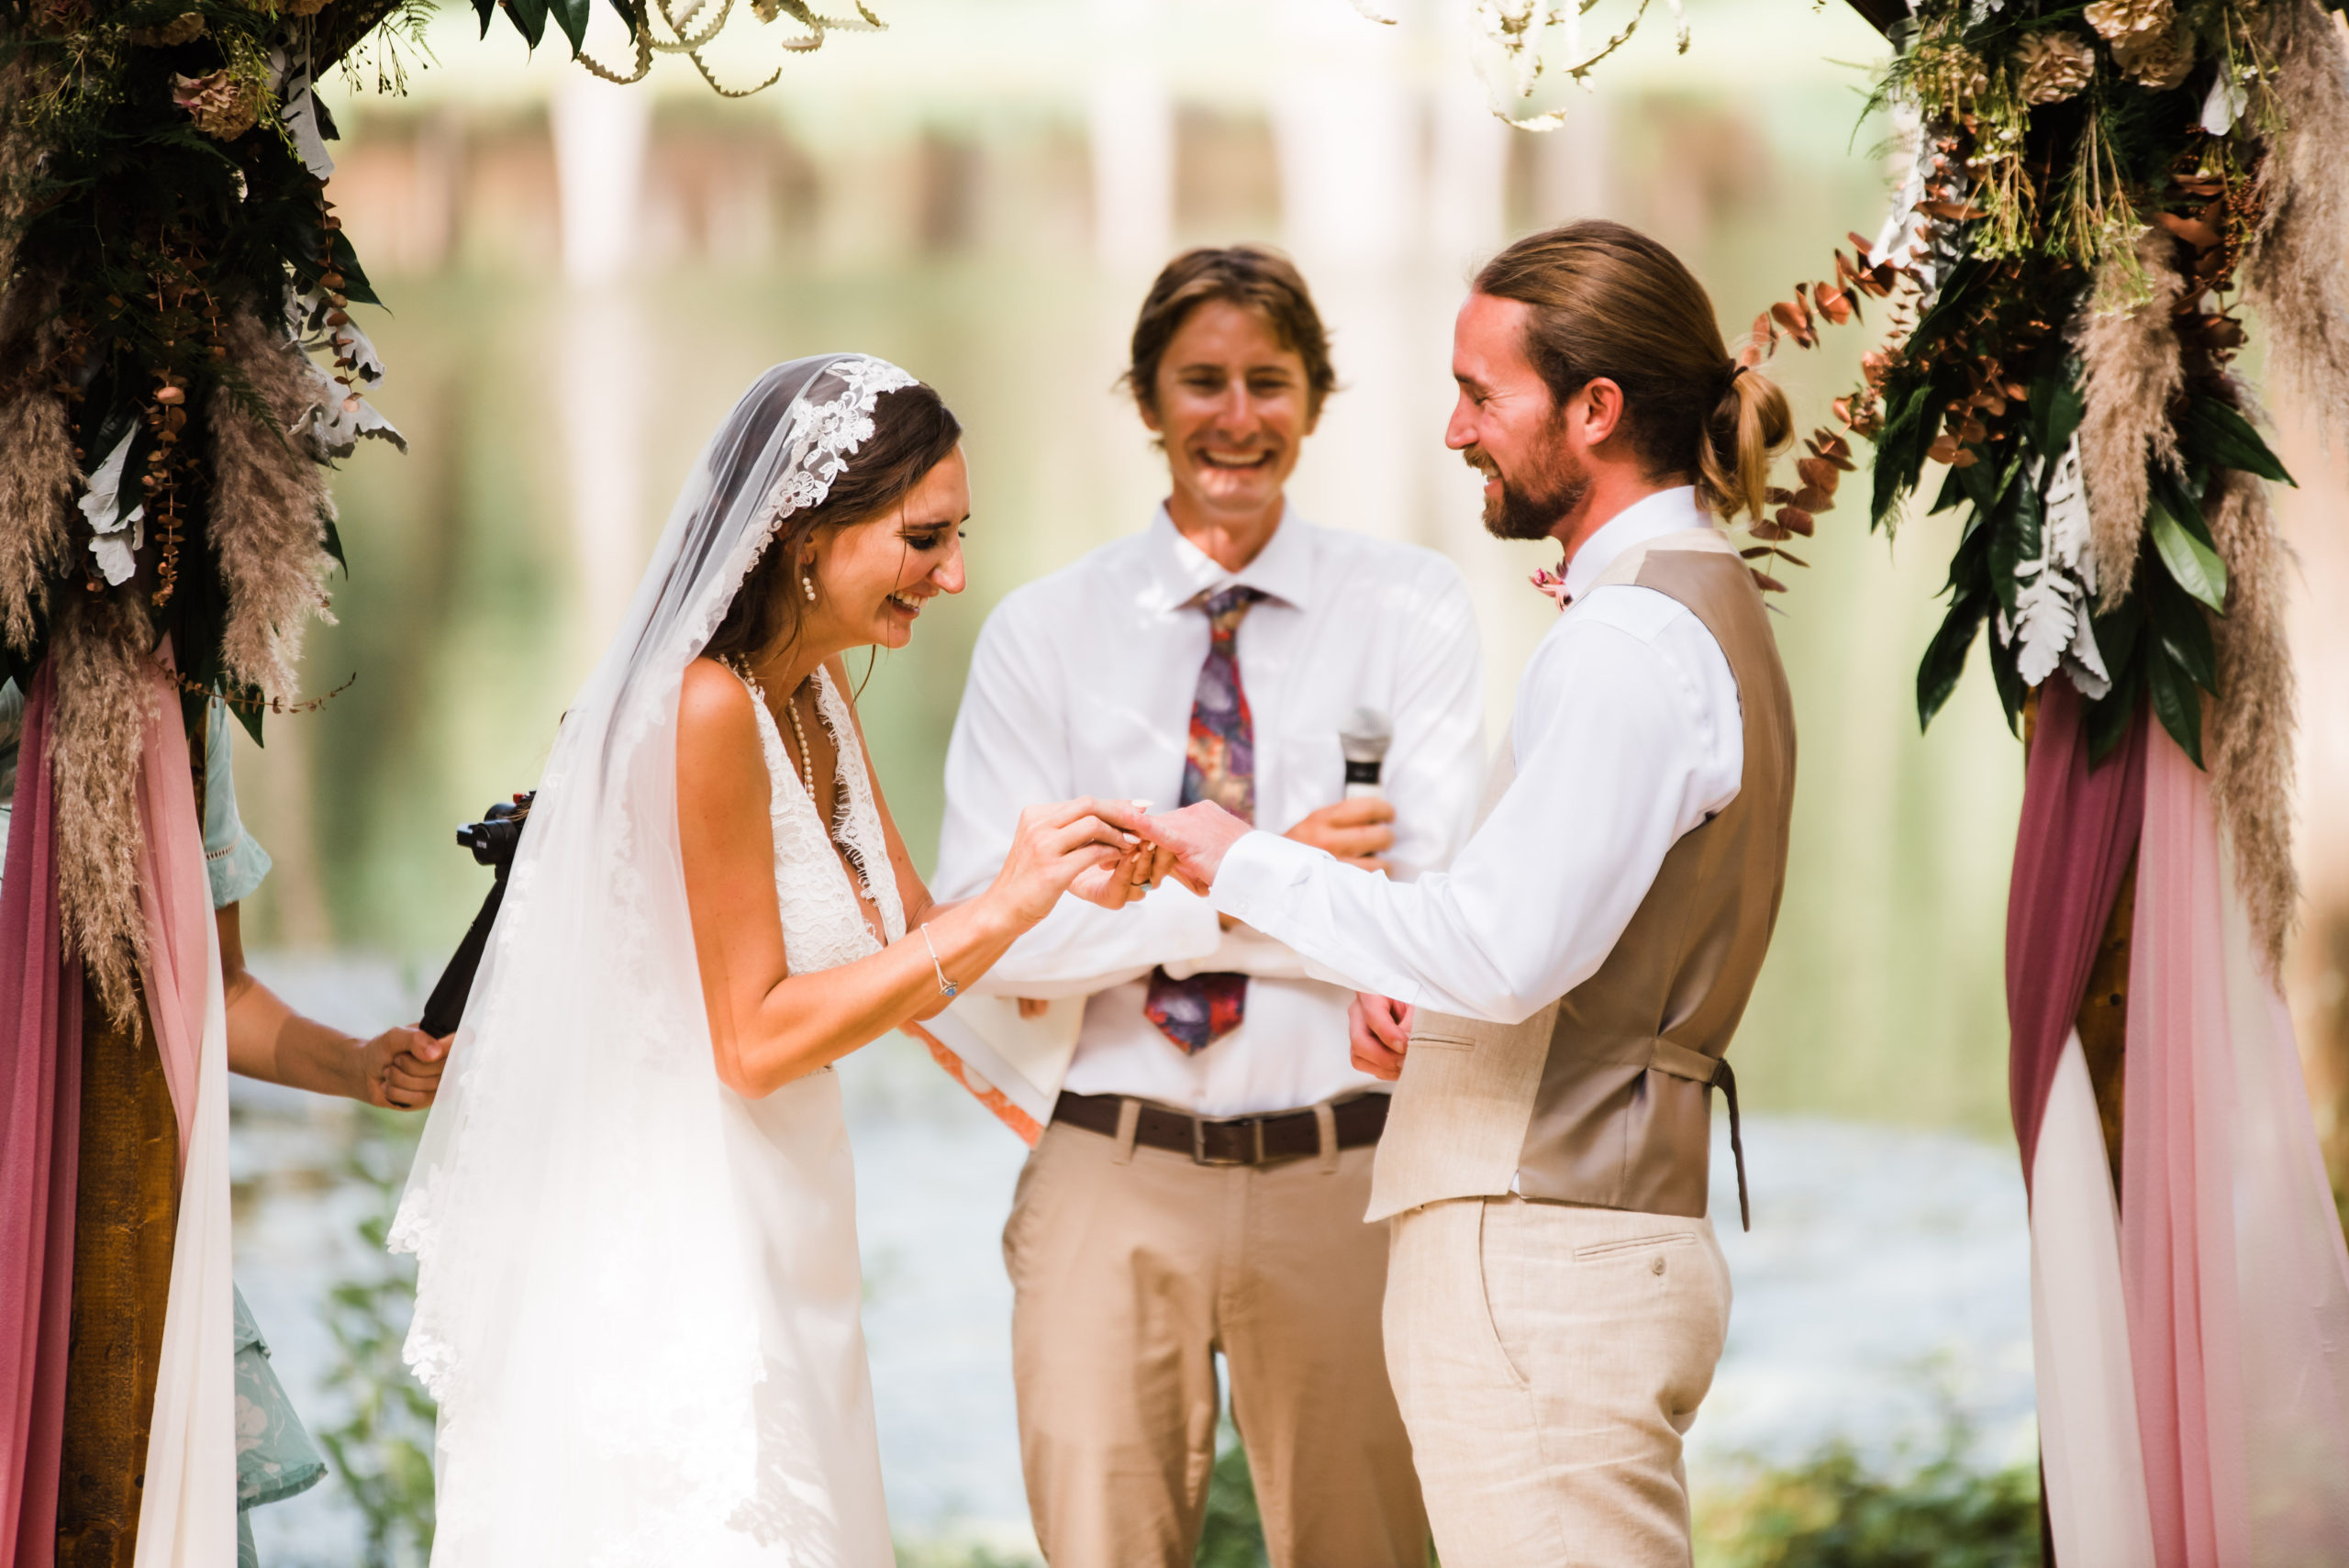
(1603, 1096)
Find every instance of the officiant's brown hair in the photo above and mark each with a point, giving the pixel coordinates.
(1254, 277)
(1610, 303)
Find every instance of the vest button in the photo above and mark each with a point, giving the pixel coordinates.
(1657, 1267)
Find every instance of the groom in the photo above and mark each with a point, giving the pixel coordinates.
(1557, 1300)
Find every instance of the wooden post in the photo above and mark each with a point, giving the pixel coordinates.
(126, 1214)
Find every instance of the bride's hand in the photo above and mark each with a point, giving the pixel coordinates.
(1133, 874)
(1056, 846)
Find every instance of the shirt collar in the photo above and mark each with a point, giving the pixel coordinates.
(1650, 518)
(1180, 571)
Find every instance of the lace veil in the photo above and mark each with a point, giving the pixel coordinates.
(584, 1311)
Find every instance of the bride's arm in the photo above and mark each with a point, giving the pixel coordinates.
(768, 1027)
(1112, 891)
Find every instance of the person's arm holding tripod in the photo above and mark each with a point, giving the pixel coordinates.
(399, 1069)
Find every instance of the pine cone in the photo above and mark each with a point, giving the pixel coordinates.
(222, 108)
(2160, 61)
(2118, 19)
(185, 27)
(2052, 66)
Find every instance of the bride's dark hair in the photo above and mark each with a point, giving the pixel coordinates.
(913, 432)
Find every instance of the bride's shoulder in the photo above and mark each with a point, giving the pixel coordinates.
(714, 710)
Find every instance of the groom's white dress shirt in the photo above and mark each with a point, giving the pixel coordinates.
(1628, 734)
(1081, 683)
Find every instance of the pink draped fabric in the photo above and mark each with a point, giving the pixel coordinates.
(2233, 1264)
(40, 1007)
(2178, 1243)
(2073, 846)
(173, 892)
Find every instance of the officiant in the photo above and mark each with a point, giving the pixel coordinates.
(1201, 1185)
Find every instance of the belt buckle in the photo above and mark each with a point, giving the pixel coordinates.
(1200, 1156)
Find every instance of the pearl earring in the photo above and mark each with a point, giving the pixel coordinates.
(808, 584)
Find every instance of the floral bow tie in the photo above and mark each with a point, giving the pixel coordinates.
(1553, 584)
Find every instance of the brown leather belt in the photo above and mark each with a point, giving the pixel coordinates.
(1230, 1140)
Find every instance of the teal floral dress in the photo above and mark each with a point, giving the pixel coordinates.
(276, 1458)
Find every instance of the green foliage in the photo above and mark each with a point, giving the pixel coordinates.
(1836, 1512)
(382, 1450)
(1233, 1535)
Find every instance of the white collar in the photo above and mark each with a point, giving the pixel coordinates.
(1649, 518)
(1180, 571)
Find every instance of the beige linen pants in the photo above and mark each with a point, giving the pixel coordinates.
(1129, 1270)
(1549, 1360)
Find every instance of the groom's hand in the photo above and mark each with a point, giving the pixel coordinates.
(1355, 832)
(1380, 1027)
(1198, 836)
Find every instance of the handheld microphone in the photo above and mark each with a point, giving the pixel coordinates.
(1365, 739)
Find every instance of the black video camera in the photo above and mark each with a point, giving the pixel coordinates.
(493, 840)
(495, 837)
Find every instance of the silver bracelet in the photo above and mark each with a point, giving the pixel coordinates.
(946, 987)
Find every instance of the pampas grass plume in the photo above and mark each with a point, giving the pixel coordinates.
(105, 702)
(269, 500)
(39, 475)
(2294, 270)
(2248, 744)
(2130, 371)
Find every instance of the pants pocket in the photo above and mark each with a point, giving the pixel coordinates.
(1498, 1292)
(1598, 1252)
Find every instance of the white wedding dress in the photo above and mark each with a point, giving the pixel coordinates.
(637, 1292)
(818, 1500)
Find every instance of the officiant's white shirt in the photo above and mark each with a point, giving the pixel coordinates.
(1628, 734)
(1081, 683)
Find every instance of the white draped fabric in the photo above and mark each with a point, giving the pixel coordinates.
(588, 1314)
(187, 1514)
(2087, 1402)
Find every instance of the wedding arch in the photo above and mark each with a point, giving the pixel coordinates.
(2096, 194)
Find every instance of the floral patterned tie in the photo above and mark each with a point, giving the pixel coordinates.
(1221, 767)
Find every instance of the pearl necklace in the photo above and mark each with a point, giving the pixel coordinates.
(807, 757)
(798, 731)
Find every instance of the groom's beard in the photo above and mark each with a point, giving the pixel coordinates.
(1529, 505)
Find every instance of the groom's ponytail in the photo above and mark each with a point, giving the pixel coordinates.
(1608, 302)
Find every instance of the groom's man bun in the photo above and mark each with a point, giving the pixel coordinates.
(1608, 302)
(1254, 277)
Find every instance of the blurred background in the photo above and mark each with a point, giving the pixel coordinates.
(580, 279)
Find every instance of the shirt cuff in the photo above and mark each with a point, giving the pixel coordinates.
(1259, 879)
(1079, 950)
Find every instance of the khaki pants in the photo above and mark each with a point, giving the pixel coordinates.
(1549, 1359)
(1129, 1270)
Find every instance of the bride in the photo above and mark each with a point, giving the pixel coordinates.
(633, 1208)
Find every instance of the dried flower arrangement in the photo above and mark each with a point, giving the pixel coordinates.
(2095, 192)
(179, 367)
